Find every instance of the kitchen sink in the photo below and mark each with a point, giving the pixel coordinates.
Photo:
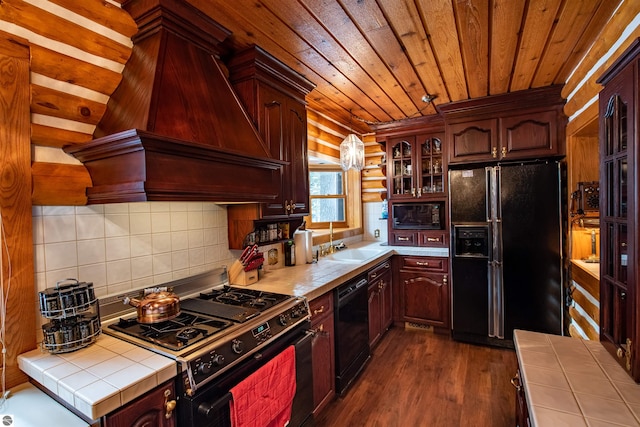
(353, 255)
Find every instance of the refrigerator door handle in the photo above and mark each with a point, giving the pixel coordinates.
(487, 196)
(496, 300)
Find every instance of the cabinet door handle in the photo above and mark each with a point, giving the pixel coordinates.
(169, 405)
(319, 310)
(515, 381)
(413, 191)
(403, 239)
(419, 192)
(494, 152)
(445, 279)
(374, 275)
(504, 151)
(433, 239)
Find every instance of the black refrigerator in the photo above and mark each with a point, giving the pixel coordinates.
(507, 248)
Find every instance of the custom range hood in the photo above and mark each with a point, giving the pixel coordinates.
(174, 129)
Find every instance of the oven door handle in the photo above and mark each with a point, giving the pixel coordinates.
(211, 410)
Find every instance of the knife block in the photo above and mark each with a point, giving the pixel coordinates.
(237, 275)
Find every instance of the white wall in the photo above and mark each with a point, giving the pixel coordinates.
(127, 246)
(371, 222)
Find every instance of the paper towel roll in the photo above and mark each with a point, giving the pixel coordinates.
(309, 246)
(299, 239)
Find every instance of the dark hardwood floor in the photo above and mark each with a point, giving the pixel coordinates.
(417, 378)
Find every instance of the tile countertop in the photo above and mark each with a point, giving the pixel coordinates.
(314, 280)
(28, 406)
(574, 382)
(101, 377)
(110, 373)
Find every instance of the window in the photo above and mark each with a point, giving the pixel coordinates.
(327, 196)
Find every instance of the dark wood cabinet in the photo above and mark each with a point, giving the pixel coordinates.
(154, 409)
(522, 410)
(416, 171)
(416, 166)
(424, 291)
(323, 351)
(522, 125)
(619, 210)
(380, 301)
(274, 97)
(473, 141)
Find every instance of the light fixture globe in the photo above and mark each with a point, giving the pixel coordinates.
(352, 153)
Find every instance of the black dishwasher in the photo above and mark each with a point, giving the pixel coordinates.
(351, 331)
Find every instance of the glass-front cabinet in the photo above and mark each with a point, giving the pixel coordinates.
(416, 168)
(619, 199)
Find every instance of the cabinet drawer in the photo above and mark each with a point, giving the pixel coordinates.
(426, 263)
(379, 270)
(321, 306)
(433, 238)
(403, 238)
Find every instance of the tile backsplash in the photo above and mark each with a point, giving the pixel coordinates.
(127, 246)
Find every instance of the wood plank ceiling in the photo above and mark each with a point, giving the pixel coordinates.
(374, 60)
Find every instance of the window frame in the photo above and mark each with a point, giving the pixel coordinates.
(343, 196)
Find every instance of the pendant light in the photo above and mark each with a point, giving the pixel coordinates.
(352, 152)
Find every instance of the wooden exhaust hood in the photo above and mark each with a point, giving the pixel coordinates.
(174, 129)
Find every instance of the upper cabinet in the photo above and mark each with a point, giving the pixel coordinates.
(274, 96)
(415, 158)
(415, 166)
(619, 200)
(521, 125)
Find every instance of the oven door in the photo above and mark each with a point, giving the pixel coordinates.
(209, 407)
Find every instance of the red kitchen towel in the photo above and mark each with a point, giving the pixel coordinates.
(264, 398)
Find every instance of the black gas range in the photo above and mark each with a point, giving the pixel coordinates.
(219, 326)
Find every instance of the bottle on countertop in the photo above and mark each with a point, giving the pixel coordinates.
(289, 253)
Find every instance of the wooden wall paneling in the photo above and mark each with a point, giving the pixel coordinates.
(49, 26)
(103, 13)
(59, 184)
(63, 105)
(563, 39)
(15, 205)
(592, 310)
(591, 333)
(583, 166)
(602, 43)
(47, 136)
(598, 21)
(584, 123)
(71, 70)
(590, 283)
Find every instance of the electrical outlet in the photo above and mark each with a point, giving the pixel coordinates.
(376, 233)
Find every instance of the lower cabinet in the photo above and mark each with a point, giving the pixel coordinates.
(380, 301)
(424, 291)
(323, 351)
(154, 409)
(522, 411)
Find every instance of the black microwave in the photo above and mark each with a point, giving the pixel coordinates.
(418, 216)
